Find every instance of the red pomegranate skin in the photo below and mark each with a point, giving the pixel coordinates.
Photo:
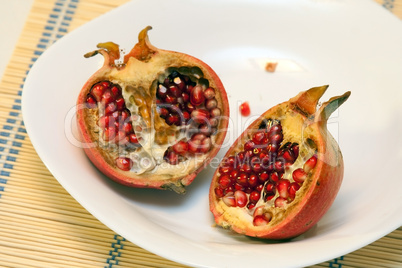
(318, 191)
(146, 59)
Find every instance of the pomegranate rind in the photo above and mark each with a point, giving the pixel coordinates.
(321, 186)
(133, 64)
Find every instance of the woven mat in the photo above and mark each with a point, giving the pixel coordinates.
(42, 225)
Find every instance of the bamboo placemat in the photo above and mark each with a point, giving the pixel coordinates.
(41, 225)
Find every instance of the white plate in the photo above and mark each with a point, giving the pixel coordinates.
(349, 45)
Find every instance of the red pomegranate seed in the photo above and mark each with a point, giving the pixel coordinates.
(229, 190)
(270, 188)
(209, 93)
(175, 91)
(163, 112)
(197, 96)
(198, 136)
(295, 149)
(172, 119)
(120, 104)
(229, 200)
(133, 138)
(91, 101)
(200, 116)
(124, 115)
(310, 164)
(288, 156)
(279, 166)
(242, 179)
(110, 108)
(115, 91)
(250, 205)
(179, 83)
(106, 84)
(241, 198)
(181, 147)
(254, 196)
(124, 163)
(170, 99)
(260, 220)
(282, 188)
(244, 109)
(185, 97)
(219, 192)
(249, 145)
(127, 127)
(299, 175)
(97, 92)
(233, 174)
(293, 188)
(253, 180)
(277, 138)
(214, 122)
(263, 177)
(245, 168)
(194, 145)
(172, 158)
(107, 97)
(224, 181)
(275, 129)
(258, 137)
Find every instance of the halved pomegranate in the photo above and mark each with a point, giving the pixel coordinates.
(153, 119)
(283, 173)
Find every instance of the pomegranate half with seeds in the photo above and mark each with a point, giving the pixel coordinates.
(283, 173)
(154, 118)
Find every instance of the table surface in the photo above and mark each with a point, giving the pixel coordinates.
(13, 16)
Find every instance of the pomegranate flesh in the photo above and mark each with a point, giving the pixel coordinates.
(153, 118)
(283, 173)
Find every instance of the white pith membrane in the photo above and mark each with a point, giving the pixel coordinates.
(139, 80)
(295, 129)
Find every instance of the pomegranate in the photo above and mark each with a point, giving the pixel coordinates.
(153, 118)
(283, 173)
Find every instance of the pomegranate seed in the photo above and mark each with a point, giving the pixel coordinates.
(109, 134)
(244, 109)
(110, 108)
(215, 112)
(299, 175)
(209, 93)
(206, 145)
(241, 198)
(276, 138)
(224, 181)
(198, 136)
(133, 138)
(115, 91)
(97, 92)
(186, 116)
(163, 112)
(293, 188)
(275, 129)
(172, 158)
(171, 99)
(124, 115)
(282, 188)
(194, 145)
(197, 96)
(295, 149)
(214, 122)
(288, 156)
(105, 84)
(260, 221)
(180, 147)
(231, 161)
(310, 164)
(179, 83)
(161, 92)
(107, 97)
(91, 102)
(269, 197)
(225, 169)
(260, 187)
(263, 177)
(281, 202)
(189, 107)
(120, 104)
(242, 179)
(250, 205)
(185, 97)
(270, 188)
(254, 196)
(205, 129)
(124, 163)
(234, 174)
(200, 116)
(229, 190)
(104, 121)
(121, 135)
(256, 168)
(219, 192)
(279, 166)
(249, 145)
(253, 180)
(190, 88)
(175, 91)
(172, 119)
(211, 104)
(245, 168)
(127, 127)
(258, 137)
(239, 187)
(229, 200)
